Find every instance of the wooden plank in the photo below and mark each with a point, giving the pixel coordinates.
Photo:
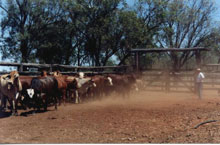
(159, 69)
(172, 81)
(59, 65)
(189, 87)
(155, 86)
(204, 88)
(150, 80)
(185, 81)
(66, 73)
(9, 64)
(179, 75)
(171, 91)
(211, 83)
(153, 90)
(171, 86)
(180, 91)
(147, 50)
(212, 64)
(153, 80)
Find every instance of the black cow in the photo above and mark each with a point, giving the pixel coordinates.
(45, 90)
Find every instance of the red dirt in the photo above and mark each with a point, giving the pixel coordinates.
(147, 117)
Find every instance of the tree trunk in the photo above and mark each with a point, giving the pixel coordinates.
(24, 53)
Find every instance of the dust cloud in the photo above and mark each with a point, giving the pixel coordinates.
(143, 99)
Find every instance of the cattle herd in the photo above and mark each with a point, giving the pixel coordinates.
(37, 92)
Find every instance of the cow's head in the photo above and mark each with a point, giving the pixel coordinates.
(81, 75)
(56, 73)
(109, 81)
(43, 73)
(30, 92)
(90, 82)
(84, 82)
(11, 79)
(93, 83)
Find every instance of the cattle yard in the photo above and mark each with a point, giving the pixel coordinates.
(146, 117)
(161, 107)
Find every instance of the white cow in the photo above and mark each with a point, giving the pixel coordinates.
(10, 86)
(82, 85)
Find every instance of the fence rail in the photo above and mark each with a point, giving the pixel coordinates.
(69, 69)
(178, 82)
(153, 80)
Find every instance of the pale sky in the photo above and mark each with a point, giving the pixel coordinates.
(217, 17)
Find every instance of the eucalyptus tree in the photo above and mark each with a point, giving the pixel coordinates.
(187, 24)
(34, 31)
(51, 34)
(15, 25)
(140, 25)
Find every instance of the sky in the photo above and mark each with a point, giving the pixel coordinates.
(131, 2)
(217, 15)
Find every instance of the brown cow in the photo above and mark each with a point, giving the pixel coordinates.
(62, 86)
(103, 84)
(76, 86)
(123, 84)
(71, 87)
(65, 83)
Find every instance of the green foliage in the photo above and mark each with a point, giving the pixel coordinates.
(101, 32)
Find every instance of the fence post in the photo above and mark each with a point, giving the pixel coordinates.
(51, 67)
(21, 67)
(167, 81)
(198, 58)
(137, 61)
(194, 82)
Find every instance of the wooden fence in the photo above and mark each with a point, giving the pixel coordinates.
(24, 68)
(178, 82)
(154, 80)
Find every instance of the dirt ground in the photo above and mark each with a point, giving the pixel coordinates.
(146, 117)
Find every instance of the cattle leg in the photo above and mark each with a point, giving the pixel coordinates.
(67, 95)
(45, 103)
(3, 103)
(13, 107)
(35, 102)
(38, 101)
(14, 101)
(77, 97)
(22, 101)
(73, 95)
(55, 102)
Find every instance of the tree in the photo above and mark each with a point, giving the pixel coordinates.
(16, 24)
(140, 26)
(187, 25)
(51, 31)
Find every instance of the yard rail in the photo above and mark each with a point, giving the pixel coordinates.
(65, 69)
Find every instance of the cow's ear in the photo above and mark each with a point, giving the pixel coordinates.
(6, 77)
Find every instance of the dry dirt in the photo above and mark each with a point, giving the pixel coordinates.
(146, 117)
